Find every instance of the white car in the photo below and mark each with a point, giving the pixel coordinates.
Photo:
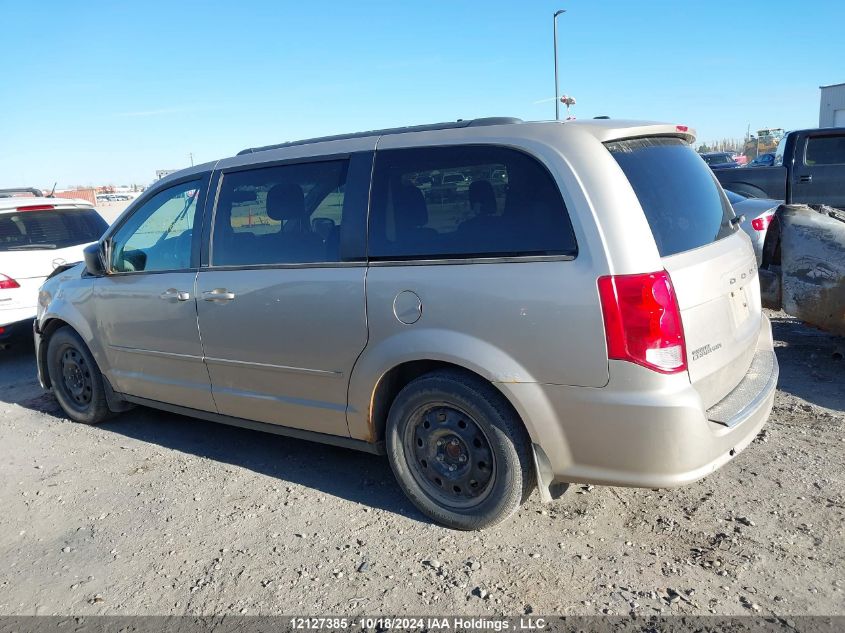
(758, 213)
(37, 234)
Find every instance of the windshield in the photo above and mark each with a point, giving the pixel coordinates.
(36, 230)
(682, 200)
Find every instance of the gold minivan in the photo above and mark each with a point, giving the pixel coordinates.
(494, 304)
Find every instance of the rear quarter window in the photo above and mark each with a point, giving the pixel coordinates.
(682, 201)
(465, 201)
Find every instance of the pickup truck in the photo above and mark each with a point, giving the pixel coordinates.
(809, 168)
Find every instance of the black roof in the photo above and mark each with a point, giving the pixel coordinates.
(502, 120)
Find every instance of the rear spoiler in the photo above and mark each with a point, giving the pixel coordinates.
(10, 193)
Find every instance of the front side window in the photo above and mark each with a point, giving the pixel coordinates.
(158, 235)
(825, 150)
(280, 215)
(465, 201)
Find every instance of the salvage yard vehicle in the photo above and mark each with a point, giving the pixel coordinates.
(720, 160)
(763, 160)
(37, 234)
(757, 214)
(809, 168)
(596, 320)
(803, 267)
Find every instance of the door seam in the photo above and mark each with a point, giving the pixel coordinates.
(202, 344)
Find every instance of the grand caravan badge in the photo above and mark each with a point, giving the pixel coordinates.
(702, 351)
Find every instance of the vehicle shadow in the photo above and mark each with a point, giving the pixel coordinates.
(19, 382)
(811, 362)
(345, 473)
(352, 475)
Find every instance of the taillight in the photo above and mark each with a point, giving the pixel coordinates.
(760, 224)
(7, 283)
(642, 321)
(38, 207)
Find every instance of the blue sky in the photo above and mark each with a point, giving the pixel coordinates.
(108, 92)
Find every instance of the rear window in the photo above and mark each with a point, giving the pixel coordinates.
(35, 230)
(683, 203)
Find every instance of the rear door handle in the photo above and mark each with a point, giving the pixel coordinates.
(172, 293)
(805, 178)
(218, 294)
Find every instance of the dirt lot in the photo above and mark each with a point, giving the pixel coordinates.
(158, 514)
(110, 210)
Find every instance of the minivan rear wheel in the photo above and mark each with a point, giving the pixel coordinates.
(458, 450)
(76, 380)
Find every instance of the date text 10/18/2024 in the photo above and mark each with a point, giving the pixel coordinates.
(423, 623)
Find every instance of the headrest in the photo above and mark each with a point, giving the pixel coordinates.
(286, 202)
(409, 207)
(481, 193)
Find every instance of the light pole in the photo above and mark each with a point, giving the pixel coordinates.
(557, 91)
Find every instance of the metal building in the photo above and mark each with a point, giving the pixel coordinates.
(832, 107)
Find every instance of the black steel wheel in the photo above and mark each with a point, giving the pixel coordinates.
(77, 382)
(75, 378)
(450, 454)
(458, 449)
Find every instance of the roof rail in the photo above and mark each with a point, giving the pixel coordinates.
(8, 193)
(500, 120)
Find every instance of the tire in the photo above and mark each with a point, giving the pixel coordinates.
(458, 450)
(76, 379)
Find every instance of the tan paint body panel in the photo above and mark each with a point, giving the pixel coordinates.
(282, 350)
(152, 344)
(288, 353)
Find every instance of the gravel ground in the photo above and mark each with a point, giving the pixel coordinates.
(110, 210)
(154, 513)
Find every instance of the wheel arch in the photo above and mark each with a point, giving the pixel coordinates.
(396, 378)
(383, 369)
(48, 328)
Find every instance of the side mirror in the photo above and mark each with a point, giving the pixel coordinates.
(95, 259)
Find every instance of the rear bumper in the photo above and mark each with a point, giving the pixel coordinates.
(644, 429)
(15, 316)
(10, 330)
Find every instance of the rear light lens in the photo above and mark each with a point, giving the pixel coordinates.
(7, 283)
(761, 223)
(642, 321)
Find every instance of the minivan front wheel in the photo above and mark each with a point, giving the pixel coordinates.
(75, 378)
(458, 450)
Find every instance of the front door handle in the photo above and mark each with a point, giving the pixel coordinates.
(172, 293)
(218, 294)
(805, 178)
